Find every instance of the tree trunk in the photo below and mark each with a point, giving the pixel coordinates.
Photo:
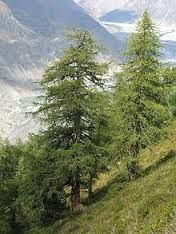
(90, 193)
(75, 196)
(13, 218)
(132, 170)
(75, 186)
(133, 165)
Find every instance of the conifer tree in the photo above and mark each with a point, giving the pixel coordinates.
(140, 94)
(69, 107)
(42, 197)
(9, 157)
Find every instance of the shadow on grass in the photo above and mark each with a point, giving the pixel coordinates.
(171, 154)
(116, 184)
(121, 180)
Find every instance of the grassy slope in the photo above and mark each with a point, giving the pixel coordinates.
(143, 206)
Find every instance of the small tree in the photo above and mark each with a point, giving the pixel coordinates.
(170, 74)
(172, 101)
(42, 197)
(69, 108)
(140, 94)
(9, 157)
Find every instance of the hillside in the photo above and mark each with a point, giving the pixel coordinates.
(53, 17)
(146, 205)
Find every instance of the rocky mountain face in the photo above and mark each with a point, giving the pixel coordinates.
(119, 18)
(161, 10)
(31, 35)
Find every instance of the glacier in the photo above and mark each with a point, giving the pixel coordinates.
(162, 12)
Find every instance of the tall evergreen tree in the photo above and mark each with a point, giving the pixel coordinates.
(140, 94)
(70, 109)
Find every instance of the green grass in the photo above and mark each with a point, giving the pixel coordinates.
(146, 205)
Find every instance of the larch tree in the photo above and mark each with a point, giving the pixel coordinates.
(70, 109)
(9, 157)
(141, 108)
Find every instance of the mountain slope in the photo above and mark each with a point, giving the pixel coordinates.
(119, 18)
(161, 10)
(31, 35)
(9, 24)
(54, 17)
(143, 206)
